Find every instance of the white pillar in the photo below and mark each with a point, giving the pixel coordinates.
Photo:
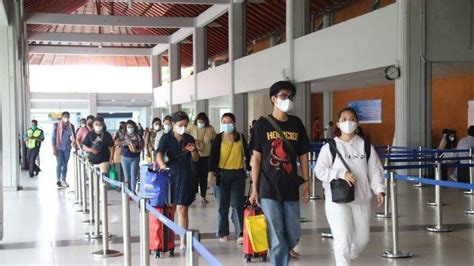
(238, 49)
(298, 22)
(327, 96)
(9, 125)
(156, 70)
(93, 104)
(200, 58)
(412, 91)
(174, 63)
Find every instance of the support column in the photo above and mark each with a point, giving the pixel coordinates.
(9, 124)
(298, 22)
(200, 58)
(412, 89)
(174, 62)
(327, 96)
(238, 49)
(156, 71)
(93, 104)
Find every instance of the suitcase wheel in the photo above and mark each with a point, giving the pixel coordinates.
(263, 258)
(172, 253)
(248, 258)
(157, 254)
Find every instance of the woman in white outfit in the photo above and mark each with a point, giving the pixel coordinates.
(350, 222)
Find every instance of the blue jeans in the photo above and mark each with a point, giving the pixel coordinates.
(62, 159)
(131, 166)
(283, 221)
(231, 194)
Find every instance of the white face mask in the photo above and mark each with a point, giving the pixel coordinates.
(348, 127)
(227, 128)
(157, 127)
(284, 105)
(83, 125)
(166, 128)
(65, 119)
(179, 130)
(201, 125)
(98, 128)
(130, 130)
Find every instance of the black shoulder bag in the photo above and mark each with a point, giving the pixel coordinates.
(340, 189)
(300, 180)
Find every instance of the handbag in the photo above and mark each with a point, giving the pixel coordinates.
(257, 232)
(340, 189)
(113, 175)
(299, 179)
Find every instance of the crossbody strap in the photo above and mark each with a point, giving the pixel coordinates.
(282, 136)
(333, 144)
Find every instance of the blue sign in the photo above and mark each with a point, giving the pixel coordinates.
(369, 111)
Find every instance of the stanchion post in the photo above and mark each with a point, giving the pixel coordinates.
(439, 227)
(83, 180)
(89, 170)
(127, 245)
(434, 203)
(76, 179)
(395, 253)
(192, 257)
(471, 172)
(420, 171)
(95, 234)
(80, 203)
(105, 252)
(313, 196)
(144, 245)
(386, 206)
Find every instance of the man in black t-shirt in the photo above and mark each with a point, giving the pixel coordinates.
(99, 145)
(274, 171)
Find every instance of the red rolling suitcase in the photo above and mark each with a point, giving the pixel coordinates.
(161, 237)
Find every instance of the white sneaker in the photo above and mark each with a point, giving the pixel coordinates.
(240, 241)
(64, 183)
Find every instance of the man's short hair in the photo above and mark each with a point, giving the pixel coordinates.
(90, 117)
(65, 113)
(282, 85)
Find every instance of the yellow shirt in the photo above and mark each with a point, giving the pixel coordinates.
(234, 151)
(205, 136)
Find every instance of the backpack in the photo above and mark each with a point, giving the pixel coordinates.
(367, 148)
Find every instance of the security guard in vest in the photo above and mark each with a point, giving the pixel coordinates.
(33, 139)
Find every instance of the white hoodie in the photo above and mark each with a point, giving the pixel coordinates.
(369, 177)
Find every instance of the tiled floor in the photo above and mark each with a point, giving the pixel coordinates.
(42, 228)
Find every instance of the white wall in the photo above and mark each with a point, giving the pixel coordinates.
(363, 43)
(214, 82)
(161, 96)
(183, 90)
(262, 69)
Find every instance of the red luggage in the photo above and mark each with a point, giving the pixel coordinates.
(160, 234)
(247, 246)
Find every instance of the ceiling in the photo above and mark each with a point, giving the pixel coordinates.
(263, 19)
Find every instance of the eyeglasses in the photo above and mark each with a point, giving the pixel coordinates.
(285, 96)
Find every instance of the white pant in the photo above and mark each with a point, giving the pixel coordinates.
(350, 226)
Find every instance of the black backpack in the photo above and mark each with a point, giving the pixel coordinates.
(367, 148)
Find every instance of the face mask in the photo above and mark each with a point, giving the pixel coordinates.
(83, 125)
(284, 105)
(65, 119)
(201, 125)
(179, 130)
(167, 128)
(98, 128)
(130, 130)
(451, 138)
(227, 128)
(34, 127)
(157, 127)
(348, 127)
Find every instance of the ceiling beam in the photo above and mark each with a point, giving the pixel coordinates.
(102, 20)
(81, 50)
(96, 38)
(186, 2)
(202, 20)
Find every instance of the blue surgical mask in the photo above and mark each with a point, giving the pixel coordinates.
(227, 128)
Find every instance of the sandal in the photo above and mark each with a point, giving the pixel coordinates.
(204, 201)
(294, 254)
(224, 238)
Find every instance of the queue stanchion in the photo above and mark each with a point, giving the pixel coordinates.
(386, 205)
(192, 256)
(76, 179)
(439, 227)
(434, 203)
(89, 170)
(127, 244)
(471, 172)
(420, 171)
(80, 204)
(314, 195)
(95, 233)
(105, 252)
(83, 184)
(395, 253)
(144, 237)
